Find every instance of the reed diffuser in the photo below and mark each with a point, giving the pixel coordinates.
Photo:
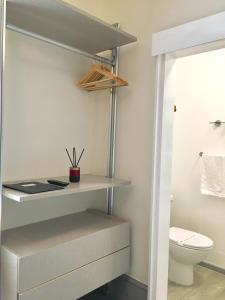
(74, 173)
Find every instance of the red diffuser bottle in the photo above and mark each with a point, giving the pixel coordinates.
(74, 174)
(74, 169)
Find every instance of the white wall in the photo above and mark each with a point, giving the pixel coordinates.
(135, 117)
(200, 98)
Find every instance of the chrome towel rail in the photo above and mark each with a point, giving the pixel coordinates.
(217, 123)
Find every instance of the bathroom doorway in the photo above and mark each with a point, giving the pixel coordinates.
(197, 223)
(168, 46)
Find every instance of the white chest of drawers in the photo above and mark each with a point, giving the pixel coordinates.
(63, 258)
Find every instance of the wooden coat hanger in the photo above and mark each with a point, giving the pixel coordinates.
(100, 78)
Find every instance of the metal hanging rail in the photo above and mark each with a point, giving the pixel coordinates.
(58, 44)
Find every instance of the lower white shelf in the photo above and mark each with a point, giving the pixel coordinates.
(63, 258)
(87, 183)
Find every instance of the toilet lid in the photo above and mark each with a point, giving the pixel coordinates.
(189, 239)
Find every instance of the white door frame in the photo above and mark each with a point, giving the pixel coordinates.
(194, 37)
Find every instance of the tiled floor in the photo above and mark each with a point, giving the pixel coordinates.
(208, 285)
(95, 296)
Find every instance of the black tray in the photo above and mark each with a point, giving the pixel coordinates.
(33, 187)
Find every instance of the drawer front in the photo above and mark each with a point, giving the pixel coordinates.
(54, 262)
(82, 281)
(8, 290)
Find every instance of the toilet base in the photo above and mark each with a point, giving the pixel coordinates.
(180, 273)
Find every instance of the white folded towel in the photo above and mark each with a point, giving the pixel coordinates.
(213, 175)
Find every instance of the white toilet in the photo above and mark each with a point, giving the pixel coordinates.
(187, 248)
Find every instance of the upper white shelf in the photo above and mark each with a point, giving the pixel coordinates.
(87, 183)
(59, 21)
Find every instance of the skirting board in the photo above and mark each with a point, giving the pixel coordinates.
(212, 267)
(127, 288)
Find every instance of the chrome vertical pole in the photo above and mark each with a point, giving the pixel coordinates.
(112, 130)
(2, 61)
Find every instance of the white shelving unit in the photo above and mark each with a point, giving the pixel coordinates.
(102, 240)
(63, 25)
(88, 183)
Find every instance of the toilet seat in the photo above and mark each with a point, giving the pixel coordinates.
(189, 239)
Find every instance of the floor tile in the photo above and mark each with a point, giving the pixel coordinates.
(208, 285)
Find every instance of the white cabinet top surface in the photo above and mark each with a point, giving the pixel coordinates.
(33, 238)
